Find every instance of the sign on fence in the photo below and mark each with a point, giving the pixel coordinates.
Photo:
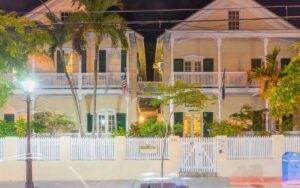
(148, 148)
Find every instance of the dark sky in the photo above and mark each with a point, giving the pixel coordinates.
(150, 32)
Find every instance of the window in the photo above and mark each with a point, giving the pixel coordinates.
(233, 20)
(284, 62)
(255, 63)
(197, 66)
(187, 66)
(106, 121)
(71, 61)
(9, 117)
(64, 15)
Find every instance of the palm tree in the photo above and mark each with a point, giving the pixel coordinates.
(94, 18)
(59, 35)
(268, 77)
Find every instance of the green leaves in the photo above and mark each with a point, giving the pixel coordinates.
(180, 93)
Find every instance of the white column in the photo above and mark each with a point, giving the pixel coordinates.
(127, 112)
(79, 75)
(219, 44)
(266, 42)
(172, 79)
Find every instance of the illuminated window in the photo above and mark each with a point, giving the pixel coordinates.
(233, 20)
(197, 66)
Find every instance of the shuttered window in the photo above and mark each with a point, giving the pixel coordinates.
(9, 117)
(208, 118)
(102, 61)
(178, 118)
(83, 62)
(208, 65)
(178, 65)
(121, 120)
(123, 60)
(255, 63)
(59, 63)
(89, 122)
(284, 62)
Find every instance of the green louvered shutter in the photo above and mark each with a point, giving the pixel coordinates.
(121, 120)
(178, 65)
(208, 65)
(255, 63)
(89, 122)
(123, 60)
(178, 118)
(83, 62)
(59, 65)
(102, 61)
(284, 62)
(9, 117)
(208, 118)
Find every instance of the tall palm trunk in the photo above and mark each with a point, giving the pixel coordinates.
(267, 114)
(95, 89)
(73, 91)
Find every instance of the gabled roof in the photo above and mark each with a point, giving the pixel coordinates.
(259, 12)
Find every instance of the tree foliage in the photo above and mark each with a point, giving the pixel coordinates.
(52, 122)
(285, 99)
(181, 93)
(19, 37)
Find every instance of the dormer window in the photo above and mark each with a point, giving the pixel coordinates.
(233, 20)
(64, 15)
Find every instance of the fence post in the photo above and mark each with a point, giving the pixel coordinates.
(221, 147)
(65, 148)
(174, 153)
(10, 148)
(120, 148)
(278, 147)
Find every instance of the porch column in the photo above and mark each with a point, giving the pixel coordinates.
(172, 79)
(266, 42)
(219, 44)
(127, 112)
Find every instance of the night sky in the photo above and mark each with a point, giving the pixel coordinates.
(150, 32)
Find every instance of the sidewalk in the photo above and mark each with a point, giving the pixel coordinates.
(205, 182)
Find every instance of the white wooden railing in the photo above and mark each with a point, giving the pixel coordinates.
(92, 148)
(2, 142)
(133, 148)
(79, 80)
(42, 148)
(210, 79)
(292, 144)
(250, 148)
(198, 155)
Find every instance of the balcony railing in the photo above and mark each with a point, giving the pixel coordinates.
(79, 80)
(210, 79)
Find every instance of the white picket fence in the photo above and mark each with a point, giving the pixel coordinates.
(250, 148)
(198, 155)
(92, 148)
(133, 148)
(42, 148)
(2, 142)
(292, 144)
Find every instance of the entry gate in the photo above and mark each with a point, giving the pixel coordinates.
(198, 156)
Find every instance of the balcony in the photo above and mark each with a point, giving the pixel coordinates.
(79, 80)
(210, 79)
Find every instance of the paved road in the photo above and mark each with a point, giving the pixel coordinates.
(193, 183)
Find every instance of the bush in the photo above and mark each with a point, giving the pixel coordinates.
(7, 128)
(150, 128)
(119, 132)
(224, 128)
(178, 129)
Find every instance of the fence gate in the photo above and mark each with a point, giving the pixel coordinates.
(198, 156)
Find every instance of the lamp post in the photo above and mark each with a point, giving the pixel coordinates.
(28, 86)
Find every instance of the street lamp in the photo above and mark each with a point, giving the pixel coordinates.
(28, 86)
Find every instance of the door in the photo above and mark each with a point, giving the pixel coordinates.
(106, 122)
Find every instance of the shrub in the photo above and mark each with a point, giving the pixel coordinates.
(224, 128)
(119, 132)
(178, 129)
(150, 128)
(7, 128)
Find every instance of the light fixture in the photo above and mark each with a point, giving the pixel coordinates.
(28, 85)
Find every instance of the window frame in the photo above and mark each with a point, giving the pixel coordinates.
(234, 20)
(187, 66)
